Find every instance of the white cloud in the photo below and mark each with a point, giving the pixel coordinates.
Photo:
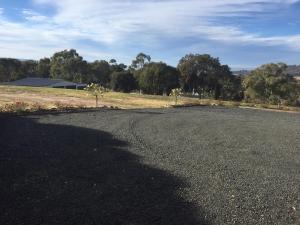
(146, 23)
(31, 15)
(119, 20)
(233, 35)
(19, 41)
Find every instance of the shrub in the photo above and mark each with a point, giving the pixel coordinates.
(16, 107)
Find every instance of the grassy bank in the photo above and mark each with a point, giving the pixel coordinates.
(16, 98)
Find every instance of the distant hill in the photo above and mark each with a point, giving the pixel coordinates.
(241, 72)
(293, 70)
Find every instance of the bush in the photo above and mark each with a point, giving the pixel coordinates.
(16, 107)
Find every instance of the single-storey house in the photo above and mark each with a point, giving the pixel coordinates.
(47, 82)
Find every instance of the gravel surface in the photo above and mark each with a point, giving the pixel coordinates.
(199, 165)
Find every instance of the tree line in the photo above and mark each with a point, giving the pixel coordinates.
(196, 74)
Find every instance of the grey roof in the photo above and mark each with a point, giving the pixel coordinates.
(63, 83)
(43, 82)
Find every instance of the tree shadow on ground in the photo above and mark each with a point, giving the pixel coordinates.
(59, 174)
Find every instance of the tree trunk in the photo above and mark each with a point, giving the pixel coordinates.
(96, 100)
(217, 92)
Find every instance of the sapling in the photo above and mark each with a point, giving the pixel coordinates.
(176, 93)
(96, 90)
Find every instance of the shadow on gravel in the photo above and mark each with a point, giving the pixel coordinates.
(58, 174)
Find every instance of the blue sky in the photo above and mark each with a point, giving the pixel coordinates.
(242, 33)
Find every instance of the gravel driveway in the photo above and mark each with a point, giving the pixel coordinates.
(198, 165)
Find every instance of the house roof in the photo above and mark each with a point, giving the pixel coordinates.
(44, 82)
(63, 83)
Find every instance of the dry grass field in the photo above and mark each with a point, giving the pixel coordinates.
(49, 98)
(35, 98)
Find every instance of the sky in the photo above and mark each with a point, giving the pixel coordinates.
(242, 33)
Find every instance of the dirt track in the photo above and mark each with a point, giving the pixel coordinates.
(200, 165)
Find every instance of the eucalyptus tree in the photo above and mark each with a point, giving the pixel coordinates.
(204, 74)
(158, 78)
(43, 67)
(271, 83)
(68, 65)
(123, 81)
(99, 72)
(140, 61)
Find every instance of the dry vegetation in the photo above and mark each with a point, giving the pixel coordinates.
(15, 98)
